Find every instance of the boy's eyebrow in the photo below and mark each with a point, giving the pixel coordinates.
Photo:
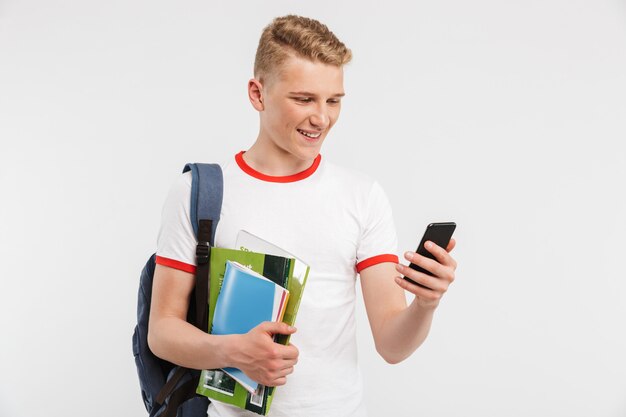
(306, 93)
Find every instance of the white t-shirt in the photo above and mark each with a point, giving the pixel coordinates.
(339, 222)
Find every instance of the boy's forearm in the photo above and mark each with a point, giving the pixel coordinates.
(402, 333)
(182, 343)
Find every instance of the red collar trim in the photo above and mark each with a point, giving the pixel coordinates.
(270, 178)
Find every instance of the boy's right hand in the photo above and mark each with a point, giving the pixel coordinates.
(263, 360)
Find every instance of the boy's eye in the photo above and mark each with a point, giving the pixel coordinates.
(310, 100)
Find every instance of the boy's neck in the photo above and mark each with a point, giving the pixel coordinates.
(271, 160)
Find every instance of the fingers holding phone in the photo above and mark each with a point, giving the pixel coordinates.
(432, 268)
(441, 255)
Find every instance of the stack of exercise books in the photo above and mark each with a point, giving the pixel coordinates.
(256, 282)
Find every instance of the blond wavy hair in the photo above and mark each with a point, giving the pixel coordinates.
(300, 36)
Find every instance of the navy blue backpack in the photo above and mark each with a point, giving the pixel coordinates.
(169, 390)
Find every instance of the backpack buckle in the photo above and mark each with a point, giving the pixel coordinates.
(203, 253)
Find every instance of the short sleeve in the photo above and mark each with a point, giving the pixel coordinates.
(378, 242)
(176, 243)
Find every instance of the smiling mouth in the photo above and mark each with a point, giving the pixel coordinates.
(310, 135)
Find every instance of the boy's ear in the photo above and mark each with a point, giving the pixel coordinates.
(255, 94)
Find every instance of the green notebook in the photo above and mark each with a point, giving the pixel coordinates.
(215, 383)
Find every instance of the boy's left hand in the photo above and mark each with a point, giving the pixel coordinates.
(443, 270)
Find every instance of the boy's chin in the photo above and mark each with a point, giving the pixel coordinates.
(308, 153)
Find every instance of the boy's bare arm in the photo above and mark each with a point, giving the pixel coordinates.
(399, 330)
(172, 338)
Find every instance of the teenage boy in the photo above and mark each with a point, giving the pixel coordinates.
(338, 220)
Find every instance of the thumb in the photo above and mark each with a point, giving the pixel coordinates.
(274, 327)
(451, 245)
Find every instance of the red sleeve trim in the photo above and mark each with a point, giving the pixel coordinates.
(375, 260)
(270, 178)
(172, 263)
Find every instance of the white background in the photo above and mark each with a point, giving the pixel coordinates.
(506, 117)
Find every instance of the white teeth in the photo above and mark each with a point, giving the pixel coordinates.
(310, 135)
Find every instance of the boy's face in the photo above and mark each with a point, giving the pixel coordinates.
(299, 106)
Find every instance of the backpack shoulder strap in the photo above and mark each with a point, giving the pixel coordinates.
(207, 191)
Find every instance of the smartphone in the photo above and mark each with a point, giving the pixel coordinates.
(438, 233)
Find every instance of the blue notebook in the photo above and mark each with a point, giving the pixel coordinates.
(246, 299)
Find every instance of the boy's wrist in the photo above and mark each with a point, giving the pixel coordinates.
(420, 307)
(222, 348)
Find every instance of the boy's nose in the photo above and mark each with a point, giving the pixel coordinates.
(320, 120)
